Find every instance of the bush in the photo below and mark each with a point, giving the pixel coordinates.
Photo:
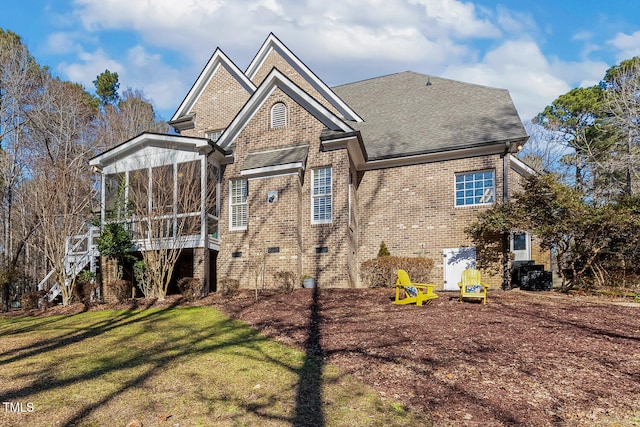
(383, 251)
(82, 290)
(121, 289)
(30, 300)
(229, 287)
(190, 288)
(285, 280)
(382, 271)
(143, 279)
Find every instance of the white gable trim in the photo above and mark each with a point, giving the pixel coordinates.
(522, 168)
(274, 80)
(217, 60)
(271, 171)
(191, 148)
(273, 44)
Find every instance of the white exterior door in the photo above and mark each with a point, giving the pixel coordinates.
(521, 246)
(455, 261)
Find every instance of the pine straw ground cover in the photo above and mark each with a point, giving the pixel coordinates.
(524, 359)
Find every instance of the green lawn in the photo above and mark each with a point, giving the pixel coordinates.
(194, 365)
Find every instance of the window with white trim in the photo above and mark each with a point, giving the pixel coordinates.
(278, 115)
(238, 192)
(321, 197)
(475, 188)
(214, 135)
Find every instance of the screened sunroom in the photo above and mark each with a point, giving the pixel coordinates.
(165, 190)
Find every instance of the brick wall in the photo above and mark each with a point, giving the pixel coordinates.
(218, 104)
(412, 210)
(274, 59)
(286, 224)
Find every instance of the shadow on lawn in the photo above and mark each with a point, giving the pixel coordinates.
(309, 396)
(170, 351)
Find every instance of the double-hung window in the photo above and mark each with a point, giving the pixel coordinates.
(475, 188)
(238, 192)
(321, 202)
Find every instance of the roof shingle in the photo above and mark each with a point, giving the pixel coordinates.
(404, 115)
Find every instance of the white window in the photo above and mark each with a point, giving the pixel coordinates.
(321, 202)
(214, 135)
(475, 188)
(278, 115)
(238, 192)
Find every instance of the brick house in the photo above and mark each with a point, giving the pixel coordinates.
(311, 179)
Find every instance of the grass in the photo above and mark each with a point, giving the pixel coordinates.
(179, 366)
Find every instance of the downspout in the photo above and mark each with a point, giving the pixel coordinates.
(505, 199)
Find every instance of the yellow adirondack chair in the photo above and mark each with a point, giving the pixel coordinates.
(471, 286)
(413, 292)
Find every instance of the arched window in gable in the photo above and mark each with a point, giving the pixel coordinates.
(278, 115)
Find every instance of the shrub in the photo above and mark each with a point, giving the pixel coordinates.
(83, 289)
(382, 271)
(143, 279)
(121, 289)
(285, 280)
(30, 300)
(229, 287)
(190, 288)
(383, 251)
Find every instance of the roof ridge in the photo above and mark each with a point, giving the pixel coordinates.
(427, 76)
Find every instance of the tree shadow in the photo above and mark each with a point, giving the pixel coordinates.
(308, 410)
(172, 350)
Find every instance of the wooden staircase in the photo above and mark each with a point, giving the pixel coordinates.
(81, 251)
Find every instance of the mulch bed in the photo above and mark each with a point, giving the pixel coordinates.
(524, 359)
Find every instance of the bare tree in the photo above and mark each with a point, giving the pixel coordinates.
(167, 205)
(61, 182)
(545, 149)
(623, 102)
(19, 82)
(131, 116)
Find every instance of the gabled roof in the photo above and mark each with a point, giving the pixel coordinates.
(149, 139)
(217, 60)
(274, 80)
(272, 43)
(410, 114)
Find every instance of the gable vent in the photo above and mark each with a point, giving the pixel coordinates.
(278, 115)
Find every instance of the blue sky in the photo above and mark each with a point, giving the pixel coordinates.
(535, 49)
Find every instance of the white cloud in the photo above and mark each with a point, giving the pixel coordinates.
(456, 17)
(627, 45)
(91, 64)
(351, 27)
(580, 74)
(62, 43)
(519, 66)
(161, 84)
(515, 22)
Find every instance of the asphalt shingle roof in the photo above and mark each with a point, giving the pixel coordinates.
(403, 115)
